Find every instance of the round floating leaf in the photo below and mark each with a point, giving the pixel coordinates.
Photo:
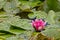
(53, 31)
(30, 3)
(4, 16)
(25, 8)
(21, 23)
(23, 36)
(2, 3)
(12, 38)
(12, 6)
(16, 30)
(26, 35)
(38, 14)
(51, 5)
(57, 18)
(4, 26)
(51, 16)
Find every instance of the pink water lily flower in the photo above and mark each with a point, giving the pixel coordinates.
(38, 24)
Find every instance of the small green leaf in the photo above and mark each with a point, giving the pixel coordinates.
(21, 23)
(25, 8)
(51, 17)
(51, 5)
(2, 3)
(30, 3)
(4, 26)
(16, 30)
(57, 18)
(52, 31)
(23, 36)
(38, 14)
(26, 35)
(12, 38)
(12, 6)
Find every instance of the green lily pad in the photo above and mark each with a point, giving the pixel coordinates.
(2, 3)
(4, 26)
(51, 5)
(21, 23)
(51, 17)
(12, 7)
(52, 32)
(38, 14)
